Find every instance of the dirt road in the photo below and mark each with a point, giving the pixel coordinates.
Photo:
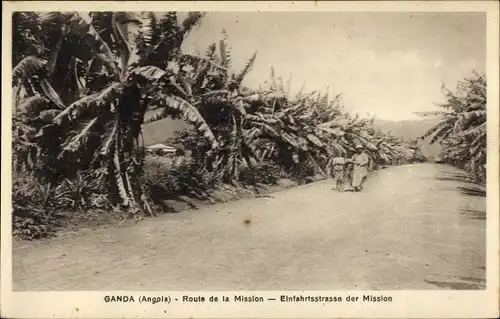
(411, 228)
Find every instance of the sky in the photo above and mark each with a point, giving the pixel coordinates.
(386, 65)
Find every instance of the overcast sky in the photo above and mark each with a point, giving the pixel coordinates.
(386, 64)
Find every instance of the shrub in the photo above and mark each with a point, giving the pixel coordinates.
(267, 173)
(166, 179)
(300, 172)
(31, 216)
(39, 208)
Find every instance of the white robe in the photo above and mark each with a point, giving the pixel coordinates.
(361, 162)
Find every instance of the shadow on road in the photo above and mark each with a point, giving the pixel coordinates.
(477, 284)
(456, 177)
(474, 214)
(467, 187)
(472, 191)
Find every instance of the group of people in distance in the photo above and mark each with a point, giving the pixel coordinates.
(350, 174)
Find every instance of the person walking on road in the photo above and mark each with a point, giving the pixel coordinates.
(360, 172)
(349, 169)
(338, 172)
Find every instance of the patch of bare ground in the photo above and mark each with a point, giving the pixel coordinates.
(408, 229)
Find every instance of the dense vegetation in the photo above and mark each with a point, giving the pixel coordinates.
(462, 130)
(85, 86)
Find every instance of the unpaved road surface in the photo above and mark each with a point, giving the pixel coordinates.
(411, 228)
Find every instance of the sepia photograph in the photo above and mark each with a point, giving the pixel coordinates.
(293, 151)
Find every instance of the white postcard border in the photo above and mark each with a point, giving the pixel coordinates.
(407, 304)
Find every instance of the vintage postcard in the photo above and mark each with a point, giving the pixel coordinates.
(310, 159)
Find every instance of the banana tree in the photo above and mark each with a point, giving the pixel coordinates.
(209, 85)
(288, 127)
(462, 130)
(101, 127)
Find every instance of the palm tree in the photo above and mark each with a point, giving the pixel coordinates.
(208, 84)
(462, 130)
(307, 130)
(98, 119)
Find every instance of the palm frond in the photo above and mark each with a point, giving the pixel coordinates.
(104, 98)
(441, 133)
(47, 116)
(473, 114)
(259, 117)
(33, 105)
(273, 79)
(51, 94)
(95, 41)
(156, 115)
(192, 60)
(315, 140)
(106, 146)
(191, 115)
(210, 52)
(476, 130)
(193, 19)
(266, 129)
(54, 54)
(148, 35)
(246, 69)
(27, 68)
(292, 140)
(121, 36)
(288, 84)
(432, 130)
(76, 142)
(369, 145)
(225, 52)
(335, 131)
(149, 72)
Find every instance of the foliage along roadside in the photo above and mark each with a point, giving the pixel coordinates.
(462, 129)
(83, 88)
